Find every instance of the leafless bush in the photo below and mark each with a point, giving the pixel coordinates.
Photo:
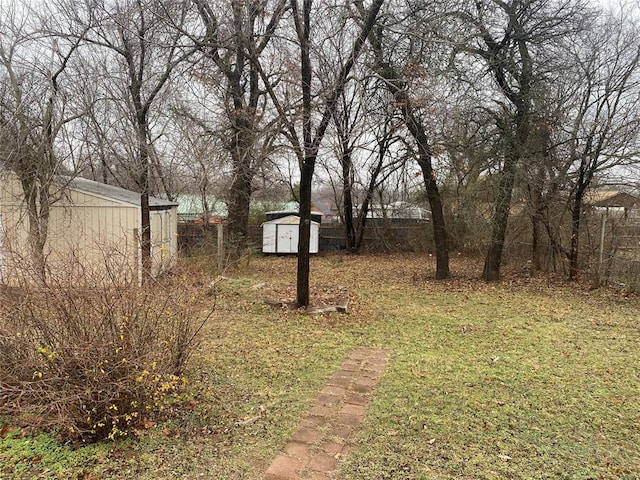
(96, 359)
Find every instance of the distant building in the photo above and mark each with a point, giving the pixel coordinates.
(193, 208)
(616, 204)
(400, 211)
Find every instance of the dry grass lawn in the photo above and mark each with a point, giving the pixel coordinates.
(530, 378)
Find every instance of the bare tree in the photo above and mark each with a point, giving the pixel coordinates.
(602, 129)
(379, 172)
(471, 147)
(312, 140)
(345, 120)
(235, 36)
(147, 48)
(34, 108)
(513, 39)
(396, 84)
(306, 148)
(365, 129)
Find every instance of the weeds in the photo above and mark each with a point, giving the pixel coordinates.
(95, 361)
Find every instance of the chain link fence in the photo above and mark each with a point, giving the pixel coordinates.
(610, 246)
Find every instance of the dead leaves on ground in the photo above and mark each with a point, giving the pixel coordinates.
(341, 282)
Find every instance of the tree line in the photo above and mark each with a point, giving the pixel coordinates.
(535, 100)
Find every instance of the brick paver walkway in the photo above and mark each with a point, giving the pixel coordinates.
(325, 433)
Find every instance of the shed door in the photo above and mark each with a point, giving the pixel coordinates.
(286, 238)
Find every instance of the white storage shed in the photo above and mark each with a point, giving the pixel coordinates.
(281, 235)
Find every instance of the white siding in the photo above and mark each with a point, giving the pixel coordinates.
(269, 238)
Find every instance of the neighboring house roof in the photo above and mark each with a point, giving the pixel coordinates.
(615, 200)
(191, 206)
(293, 206)
(323, 206)
(116, 193)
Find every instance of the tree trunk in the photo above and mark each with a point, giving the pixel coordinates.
(362, 224)
(241, 147)
(239, 202)
(536, 254)
(515, 150)
(304, 233)
(347, 200)
(145, 214)
(312, 143)
(145, 245)
(491, 271)
(236, 55)
(398, 89)
(433, 194)
(437, 218)
(537, 214)
(576, 214)
(364, 209)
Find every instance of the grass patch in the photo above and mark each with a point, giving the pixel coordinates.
(526, 379)
(40, 456)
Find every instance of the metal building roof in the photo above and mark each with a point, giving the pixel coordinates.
(116, 193)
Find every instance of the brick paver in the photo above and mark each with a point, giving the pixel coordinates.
(324, 435)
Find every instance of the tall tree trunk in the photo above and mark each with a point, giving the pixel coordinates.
(241, 146)
(516, 148)
(239, 202)
(397, 87)
(535, 187)
(437, 218)
(362, 223)
(431, 187)
(145, 213)
(304, 232)
(303, 29)
(576, 214)
(236, 54)
(347, 199)
(493, 260)
(312, 143)
(537, 214)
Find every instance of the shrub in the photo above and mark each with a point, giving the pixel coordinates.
(95, 362)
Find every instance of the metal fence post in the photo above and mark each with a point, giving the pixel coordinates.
(603, 226)
(220, 247)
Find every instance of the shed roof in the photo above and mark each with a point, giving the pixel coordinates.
(116, 193)
(294, 206)
(289, 220)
